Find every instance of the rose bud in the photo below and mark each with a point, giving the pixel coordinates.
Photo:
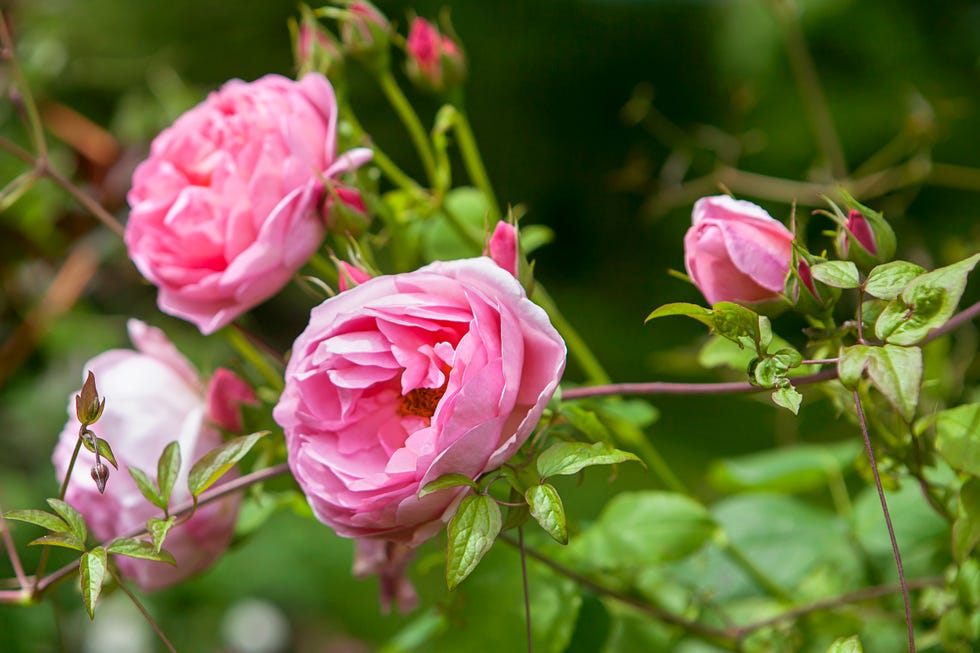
(435, 62)
(865, 237)
(736, 252)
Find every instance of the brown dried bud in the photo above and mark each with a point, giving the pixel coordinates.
(100, 474)
(88, 408)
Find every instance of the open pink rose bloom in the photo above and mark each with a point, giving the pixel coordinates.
(227, 206)
(736, 252)
(153, 397)
(407, 377)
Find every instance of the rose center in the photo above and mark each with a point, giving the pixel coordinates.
(421, 401)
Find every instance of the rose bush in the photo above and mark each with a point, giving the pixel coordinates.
(153, 396)
(736, 252)
(227, 206)
(407, 377)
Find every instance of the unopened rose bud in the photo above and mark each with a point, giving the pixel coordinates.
(365, 32)
(345, 211)
(88, 407)
(865, 237)
(736, 252)
(435, 62)
(349, 275)
(809, 295)
(100, 474)
(316, 49)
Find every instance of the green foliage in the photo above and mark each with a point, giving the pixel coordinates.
(793, 469)
(216, 463)
(545, 506)
(133, 548)
(168, 467)
(837, 274)
(925, 303)
(158, 529)
(958, 437)
(471, 533)
(895, 371)
(637, 529)
(105, 451)
(887, 280)
(565, 458)
(447, 481)
(91, 573)
(850, 644)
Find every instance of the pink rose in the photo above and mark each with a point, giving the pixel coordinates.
(153, 396)
(226, 208)
(407, 377)
(736, 252)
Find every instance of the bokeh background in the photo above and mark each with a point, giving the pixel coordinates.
(588, 112)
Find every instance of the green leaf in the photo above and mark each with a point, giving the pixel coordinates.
(887, 281)
(158, 529)
(895, 371)
(546, 508)
(215, 463)
(966, 528)
(586, 421)
(39, 518)
(850, 644)
(699, 313)
(638, 529)
(838, 274)
(770, 370)
(565, 458)
(74, 519)
(739, 324)
(105, 451)
(168, 467)
(445, 481)
(471, 533)
(926, 303)
(788, 397)
(958, 437)
(851, 364)
(91, 573)
(133, 548)
(793, 469)
(64, 540)
(147, 487)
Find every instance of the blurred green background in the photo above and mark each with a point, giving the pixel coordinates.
(549, 96)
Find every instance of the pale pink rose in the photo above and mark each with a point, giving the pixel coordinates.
(407, 377)
(503, 248)
(153, 396)
(226, 208)
(736, 252)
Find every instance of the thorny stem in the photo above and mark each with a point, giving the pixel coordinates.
(474, 163)
(527, 591)
(139, 606)
(888, 521)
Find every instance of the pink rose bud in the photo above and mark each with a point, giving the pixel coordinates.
(349, 275)
(858, 226)
(503, 247)
(364, 30)
(153, 396)
(316, 49)
(225, 209)
(435, 62)
(345, 210)
(408, 377)
(227, 393)
(736, 252)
